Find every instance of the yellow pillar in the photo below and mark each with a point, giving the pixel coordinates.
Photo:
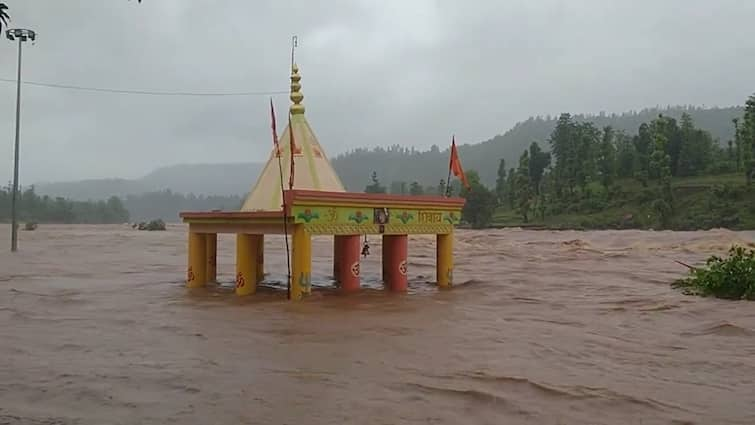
(444, 264)
(196, 275)
(260, 258)
(246, 264)
(212, 254)
(301, 274)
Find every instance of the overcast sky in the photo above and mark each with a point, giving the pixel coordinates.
(374, 72)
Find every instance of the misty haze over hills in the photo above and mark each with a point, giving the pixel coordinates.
(395, 163)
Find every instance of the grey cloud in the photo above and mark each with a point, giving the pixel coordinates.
(374, 72)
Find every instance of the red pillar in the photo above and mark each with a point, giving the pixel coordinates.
(347, 275)
(394, 258)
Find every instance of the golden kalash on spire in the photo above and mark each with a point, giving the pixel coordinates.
(315, 202)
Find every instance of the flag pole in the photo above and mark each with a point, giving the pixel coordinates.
(292, 146)
(450, 156)
(283, 197)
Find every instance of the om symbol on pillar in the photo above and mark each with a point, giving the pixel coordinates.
(402, 268)
(190, 275)
(355, 269)
(240, 281)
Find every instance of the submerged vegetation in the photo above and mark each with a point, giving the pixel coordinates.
(150, 226)
(730, 278)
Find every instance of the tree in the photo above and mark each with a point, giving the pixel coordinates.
(538, 162)
(524, 192)
(564, 152)
(500, 182)
(399, 188)
(695, 151)
(4, 18)
(607, 157)
(480, 202)
(416, 189)
(625, 156)
(375, 186)
(511, 184)
(660, 169)
(748, 140)
(643, 145)
(738, 143)
(584, 168)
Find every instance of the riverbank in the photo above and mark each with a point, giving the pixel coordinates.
(700, 203)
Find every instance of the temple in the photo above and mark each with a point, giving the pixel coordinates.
(318, 204)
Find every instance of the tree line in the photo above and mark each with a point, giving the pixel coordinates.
(165, 205)
(427, 167)
(584, 164)
(31, 207)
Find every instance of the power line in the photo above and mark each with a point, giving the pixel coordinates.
(145, 92)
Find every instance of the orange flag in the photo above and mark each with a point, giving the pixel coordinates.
(455, 165)
(293, 149)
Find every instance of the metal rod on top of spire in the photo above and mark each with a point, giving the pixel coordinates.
(294, 45)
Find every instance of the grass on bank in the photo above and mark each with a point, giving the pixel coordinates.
(704, 202)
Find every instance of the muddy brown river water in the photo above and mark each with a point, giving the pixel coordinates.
(542, 328)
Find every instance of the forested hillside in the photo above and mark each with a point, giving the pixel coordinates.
(669, 174)
(395, 163)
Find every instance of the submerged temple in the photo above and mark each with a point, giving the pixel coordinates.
(318, 204)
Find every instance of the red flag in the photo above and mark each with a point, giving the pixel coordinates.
(455, 165)
(293, 149)
(275, 131)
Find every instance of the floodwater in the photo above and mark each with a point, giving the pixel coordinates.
(542, 328)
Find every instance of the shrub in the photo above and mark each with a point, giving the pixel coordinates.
(152, 225)
(729, 278)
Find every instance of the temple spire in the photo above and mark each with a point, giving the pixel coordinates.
(296, 96)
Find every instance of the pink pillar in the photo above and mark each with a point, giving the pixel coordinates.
(348, 250)
(394, 258)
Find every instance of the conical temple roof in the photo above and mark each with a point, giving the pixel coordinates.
(312, 168)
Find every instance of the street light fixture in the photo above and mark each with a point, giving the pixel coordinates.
(21, 35)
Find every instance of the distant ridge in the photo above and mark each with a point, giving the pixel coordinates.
(394, 163)
(199, 179)
(398, 163)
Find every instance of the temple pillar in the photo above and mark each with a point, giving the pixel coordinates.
(246, 264)
(349, 268)
(337, 243)
(212, 257)
(384, 263)
(301, 273)
(394, 259)
(444, 259)
(196, 275)
(260, 257)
